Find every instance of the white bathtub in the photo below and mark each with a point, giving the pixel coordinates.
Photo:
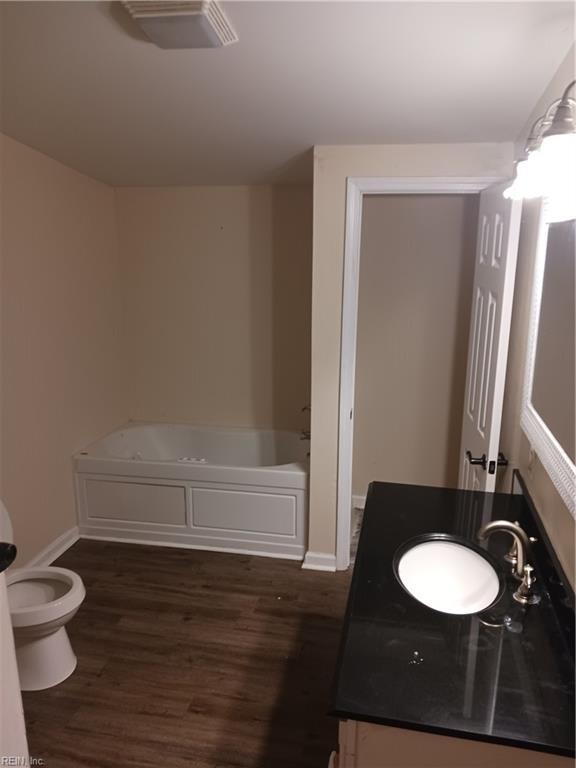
(232, 490)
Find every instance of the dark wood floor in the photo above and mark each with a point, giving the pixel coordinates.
(189, 658)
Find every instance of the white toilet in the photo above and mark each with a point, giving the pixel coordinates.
(42, 601)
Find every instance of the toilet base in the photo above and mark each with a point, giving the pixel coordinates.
(44, 661)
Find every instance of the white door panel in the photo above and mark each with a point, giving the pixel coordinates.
(496, 253)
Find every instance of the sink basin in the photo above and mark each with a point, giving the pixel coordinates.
(448, 574)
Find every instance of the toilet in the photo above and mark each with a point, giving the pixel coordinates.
(42, 601)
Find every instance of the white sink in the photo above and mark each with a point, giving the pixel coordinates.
(448, 576)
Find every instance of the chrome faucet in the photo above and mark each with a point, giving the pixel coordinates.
(517, 556)
(521, 542)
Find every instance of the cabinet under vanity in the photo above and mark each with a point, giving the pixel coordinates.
(417, 687)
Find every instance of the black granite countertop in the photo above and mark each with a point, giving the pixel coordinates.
(505, 675)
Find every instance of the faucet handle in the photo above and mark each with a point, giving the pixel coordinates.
(524, 594)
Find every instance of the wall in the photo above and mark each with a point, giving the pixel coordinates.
(332, 166)
(217, 288)
(207, 308)
(555, 515)
(416, 273)
(61, 320)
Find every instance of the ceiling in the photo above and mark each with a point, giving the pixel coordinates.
(82, 84)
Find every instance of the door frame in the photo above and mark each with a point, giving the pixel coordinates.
(356, 188)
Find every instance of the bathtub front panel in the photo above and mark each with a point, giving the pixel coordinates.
(247, 511)
(229, 517)
(129, 501)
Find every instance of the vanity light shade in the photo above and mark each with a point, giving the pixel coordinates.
(563, 121)
(528, 181)
(558, 152)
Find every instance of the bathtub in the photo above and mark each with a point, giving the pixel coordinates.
(230, 490)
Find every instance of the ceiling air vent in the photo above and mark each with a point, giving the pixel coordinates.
(193, 24)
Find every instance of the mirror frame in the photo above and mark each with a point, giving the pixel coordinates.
(554, 459)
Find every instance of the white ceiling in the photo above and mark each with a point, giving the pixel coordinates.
(80, 83)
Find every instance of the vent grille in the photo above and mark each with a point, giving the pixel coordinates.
(182, 23)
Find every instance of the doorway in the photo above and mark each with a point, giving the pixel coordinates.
(415, 288)
(356, 192)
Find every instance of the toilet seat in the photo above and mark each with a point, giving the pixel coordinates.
(41, 595)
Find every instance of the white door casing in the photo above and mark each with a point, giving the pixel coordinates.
(491, 313)
(356, 189)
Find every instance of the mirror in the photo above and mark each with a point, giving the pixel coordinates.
(549, 408)
(553, 384)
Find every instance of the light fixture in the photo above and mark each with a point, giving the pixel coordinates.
(528, 180)
(548, 167)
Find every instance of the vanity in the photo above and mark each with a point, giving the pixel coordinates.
(418, 687)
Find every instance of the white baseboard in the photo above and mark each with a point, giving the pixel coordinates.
(153, 542)
(55, 549)
(319, 561)
(358, 502)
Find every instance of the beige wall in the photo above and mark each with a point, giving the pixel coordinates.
(556, 517)
(332, 166)
(416, 273)
(61, 319)
(206, 305)
(217, 289)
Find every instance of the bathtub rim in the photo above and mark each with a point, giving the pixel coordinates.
(83, 454)
(282, 475)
